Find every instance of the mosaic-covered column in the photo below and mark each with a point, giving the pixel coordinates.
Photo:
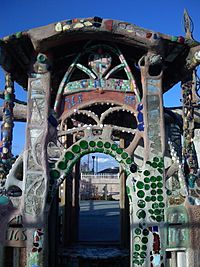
(189, 154)
(191, 169)
(36, 165)
(7, 128)
(147, 219)
(6, 140)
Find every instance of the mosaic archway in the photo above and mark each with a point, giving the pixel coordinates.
(96, 85)
(77, 150)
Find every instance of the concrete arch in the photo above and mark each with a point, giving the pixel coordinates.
(70, 156)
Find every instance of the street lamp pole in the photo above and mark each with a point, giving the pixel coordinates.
(93, 158)
(97, 164)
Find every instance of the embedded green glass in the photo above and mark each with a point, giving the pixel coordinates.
(83, 144)
(153, 185)
(92, 144)
(127, 190)
(146, 186)
(168, 192)
(145, 232)
(146, 173)
(143, 254)
(159, 185)
(140, 185)
(157, 211)
(141, 203)
(76, 149)
(153, 179)
(160, 191)
(100, 150)
(62, 165)
(140, 194)
(153, 192)
(151, 211)
(161, 205)
(145, 240)
(107, 145)
(153, 198)
(144, 247)
(141, 214)
(141, 262)
(159, 218)
(147, 198)
(100, 144)
(156, 159)
(155, 205)
(146, 180)
(54, 174)
(137, 247)
(129, 161)
(124, 155)
(135, 254)
(154, 165)
(137, 231)
(114, 147)
(137, 262)
(160, 198)
(69, 155)
(119, 150)
(159, 178)
(160, 165)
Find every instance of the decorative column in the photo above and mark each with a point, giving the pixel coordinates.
(7, 128)
(6, 140)
(148, 198)
(191, 174)
(36, 164)
(189, 155)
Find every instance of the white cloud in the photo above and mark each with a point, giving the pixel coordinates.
(104, 160)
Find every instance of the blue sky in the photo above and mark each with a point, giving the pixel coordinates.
(161, 16)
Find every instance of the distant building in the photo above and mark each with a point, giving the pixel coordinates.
(92, 186)
(110, 170)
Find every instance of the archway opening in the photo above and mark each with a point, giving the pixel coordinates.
(99, 194)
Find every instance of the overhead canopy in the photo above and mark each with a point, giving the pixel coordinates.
(64, 40)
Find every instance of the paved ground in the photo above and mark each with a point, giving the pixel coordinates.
(99, 221)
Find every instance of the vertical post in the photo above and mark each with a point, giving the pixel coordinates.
(7, 129)
(6, 139)
(174, 259)
(148, 197)
(67, 215)
(16, 257)
(97, 161)
(189, 156)
(7, 125)
(93, 158)
(34, 206)
(88, 167)
(75, 203)
(190, 162)
(124, 206)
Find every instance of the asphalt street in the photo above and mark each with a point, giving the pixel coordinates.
(99, 221)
